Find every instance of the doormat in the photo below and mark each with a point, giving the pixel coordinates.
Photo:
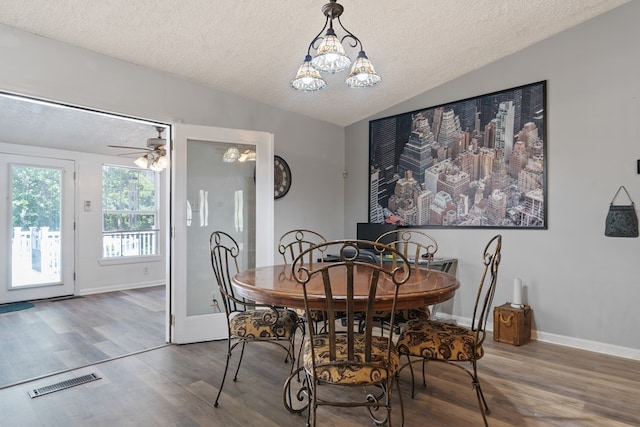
(15, 306)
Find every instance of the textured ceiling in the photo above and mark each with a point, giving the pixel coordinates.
(45, 125)
(253, 48)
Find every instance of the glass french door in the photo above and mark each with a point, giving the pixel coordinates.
(222, 179)
(38, 228)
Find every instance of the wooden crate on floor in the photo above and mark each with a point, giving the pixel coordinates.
(512, 325)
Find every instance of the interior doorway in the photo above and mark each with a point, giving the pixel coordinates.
(63, 141)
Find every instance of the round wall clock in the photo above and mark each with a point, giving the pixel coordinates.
(281, 178)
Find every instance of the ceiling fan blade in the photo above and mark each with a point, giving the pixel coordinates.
(128, 147)
(134, 152)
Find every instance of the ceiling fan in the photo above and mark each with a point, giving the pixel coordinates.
(155, 155)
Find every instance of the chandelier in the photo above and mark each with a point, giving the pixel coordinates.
(331, 57)
(233, 154)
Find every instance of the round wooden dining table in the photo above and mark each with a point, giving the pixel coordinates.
(276, 285)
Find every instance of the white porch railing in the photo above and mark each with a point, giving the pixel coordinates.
(35, 255)
(129, 243)
(36, 252)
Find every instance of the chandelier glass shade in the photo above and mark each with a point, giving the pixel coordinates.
(308, 79)
(247, 156)
(331, 57)
(362, 73)
(233, 154)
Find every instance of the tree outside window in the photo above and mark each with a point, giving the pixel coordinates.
(129, 212)
(36, 197)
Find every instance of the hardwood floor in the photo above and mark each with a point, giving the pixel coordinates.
(537, 384)
(57, 335)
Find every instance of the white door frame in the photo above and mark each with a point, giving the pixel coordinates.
(206, 327)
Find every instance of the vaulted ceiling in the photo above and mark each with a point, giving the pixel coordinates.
(252, 48)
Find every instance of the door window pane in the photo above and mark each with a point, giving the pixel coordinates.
(35, 221)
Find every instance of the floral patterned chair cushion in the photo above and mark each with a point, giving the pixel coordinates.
(404, 315)
(319, 315)
(353, 374)
(259, 323)
(437, 340)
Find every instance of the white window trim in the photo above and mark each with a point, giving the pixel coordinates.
(132, 259)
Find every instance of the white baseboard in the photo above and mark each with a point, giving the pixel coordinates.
(121, 287)
(598, 347)
(582, 344)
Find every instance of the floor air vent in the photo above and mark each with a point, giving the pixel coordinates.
(63, 385)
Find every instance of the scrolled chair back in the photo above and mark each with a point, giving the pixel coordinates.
(426, 340)
(296, 241)
(224, 252)
(413, 244)
(487, 288)
(247, 321)
(358, 281)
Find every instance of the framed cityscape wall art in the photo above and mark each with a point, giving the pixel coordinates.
(475, 163)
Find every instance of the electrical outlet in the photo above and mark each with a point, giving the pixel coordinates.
(145, 270)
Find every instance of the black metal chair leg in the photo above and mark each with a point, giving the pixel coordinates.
(482, 399)
(224, 376)
(413, 379)
(476, 385)
(397, 379)
(235, 377)
(482, 402)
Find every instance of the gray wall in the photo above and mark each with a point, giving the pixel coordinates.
(44, 68)
(583, 287)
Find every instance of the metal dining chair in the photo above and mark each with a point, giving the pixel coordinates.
(293, 243)
(419, 249)
(349, 355)
(247, 321)
(425, 340)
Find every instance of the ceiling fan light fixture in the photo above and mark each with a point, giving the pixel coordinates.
(155, 157)
(142, 161)
(158, 164)
(331, 56)
(162, 162)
